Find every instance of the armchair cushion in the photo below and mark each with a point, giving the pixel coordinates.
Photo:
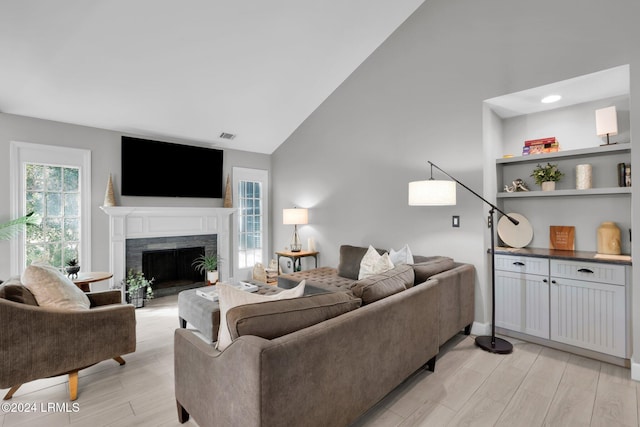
(52, 289)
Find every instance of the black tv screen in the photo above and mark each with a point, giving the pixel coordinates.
(162, 169)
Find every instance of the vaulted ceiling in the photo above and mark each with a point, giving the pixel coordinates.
(187, 70)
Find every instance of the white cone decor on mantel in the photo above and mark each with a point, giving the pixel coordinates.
(228, 201)
(109, 198)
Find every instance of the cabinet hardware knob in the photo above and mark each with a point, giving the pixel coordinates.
(518, 263)
(553, 281)
(585, 270)
(545, 280)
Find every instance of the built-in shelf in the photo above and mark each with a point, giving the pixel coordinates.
(583, 152)
(565, 193)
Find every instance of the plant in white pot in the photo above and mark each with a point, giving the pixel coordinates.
(547, 176)
(208, 264)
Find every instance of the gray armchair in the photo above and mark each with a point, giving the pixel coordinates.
(38, 342)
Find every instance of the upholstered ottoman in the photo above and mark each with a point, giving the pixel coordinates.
(204, 314)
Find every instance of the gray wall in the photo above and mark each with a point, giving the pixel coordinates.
(105, 159)
(419, 97)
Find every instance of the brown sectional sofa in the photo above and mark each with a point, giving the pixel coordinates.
(326, 358)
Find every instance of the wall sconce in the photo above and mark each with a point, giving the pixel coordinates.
(295, 217)
(606, 122)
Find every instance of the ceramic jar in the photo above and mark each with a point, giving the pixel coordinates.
(609, 238)
(583, 177)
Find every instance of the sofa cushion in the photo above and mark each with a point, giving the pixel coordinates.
(273, 319)
(430, 266)
(13, 290)
(229, 297)
(53, 289)
(382, 285)
(350, 258)
(374, 263)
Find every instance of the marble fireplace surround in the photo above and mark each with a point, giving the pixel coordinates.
(129, 222)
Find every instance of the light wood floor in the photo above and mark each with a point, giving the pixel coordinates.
(533, 386)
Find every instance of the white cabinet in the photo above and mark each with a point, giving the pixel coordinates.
(522, 294)
(572, 302)
(588, 305)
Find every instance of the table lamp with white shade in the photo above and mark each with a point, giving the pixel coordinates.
(295, 217)
(607, 122)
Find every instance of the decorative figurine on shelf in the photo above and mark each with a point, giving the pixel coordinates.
(517, 185)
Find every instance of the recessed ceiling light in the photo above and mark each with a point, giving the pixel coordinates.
(551, 98)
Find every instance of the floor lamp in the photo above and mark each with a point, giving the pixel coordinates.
(440, 193)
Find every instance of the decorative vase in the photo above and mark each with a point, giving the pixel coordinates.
(109, 198)
(583, 177)
(609, 238)
(72, 271)
(548, 186)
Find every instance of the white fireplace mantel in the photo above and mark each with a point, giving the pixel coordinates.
(128, 222)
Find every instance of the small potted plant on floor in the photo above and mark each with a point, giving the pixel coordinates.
(138, 287)
(547, 176)
(208, 264)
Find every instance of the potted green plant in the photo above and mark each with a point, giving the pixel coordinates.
(11, 228)
(208, 264)
(547, 176)
(72, 266)
(138, 287)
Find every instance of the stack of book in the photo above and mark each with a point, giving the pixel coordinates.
(272, 275)
(541, 145)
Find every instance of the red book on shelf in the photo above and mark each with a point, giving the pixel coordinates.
(540, 141)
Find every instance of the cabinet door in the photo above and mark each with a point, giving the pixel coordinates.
(522, 303)
(589, 315)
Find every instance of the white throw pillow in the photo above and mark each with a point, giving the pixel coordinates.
(374, 263)
(402, 256)
(53, 289)
(229, 297)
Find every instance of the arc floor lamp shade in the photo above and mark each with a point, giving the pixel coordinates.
(432, 193)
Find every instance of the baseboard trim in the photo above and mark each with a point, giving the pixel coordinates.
(480, 329)
(635, 370)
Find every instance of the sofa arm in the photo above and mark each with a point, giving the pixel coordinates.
(218, 388)
(456, 293)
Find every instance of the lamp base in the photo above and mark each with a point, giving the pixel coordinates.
(494, 345)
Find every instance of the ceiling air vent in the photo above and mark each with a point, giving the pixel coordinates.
(225, 135)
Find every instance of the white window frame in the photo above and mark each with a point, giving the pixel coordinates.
(52, 155)
(256, 175)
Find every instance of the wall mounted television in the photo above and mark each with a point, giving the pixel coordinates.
(163, 169)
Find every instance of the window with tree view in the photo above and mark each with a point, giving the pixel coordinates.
(53, 192)
(250, 223)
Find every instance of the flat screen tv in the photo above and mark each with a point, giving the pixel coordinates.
(162, 169)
